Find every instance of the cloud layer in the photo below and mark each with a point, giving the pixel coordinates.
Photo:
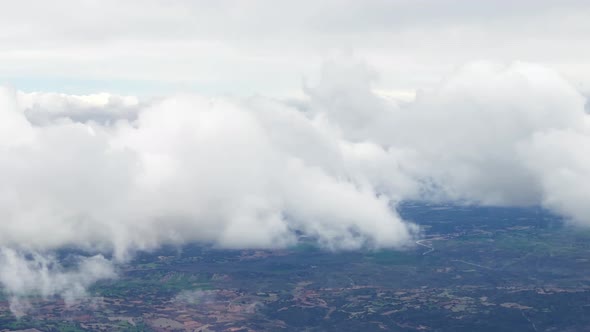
(188, 168)
(264, 47)
(113, 174)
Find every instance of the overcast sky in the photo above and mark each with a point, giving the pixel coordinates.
(246, 47)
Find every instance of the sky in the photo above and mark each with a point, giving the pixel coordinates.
(156, 47)
(246, 124)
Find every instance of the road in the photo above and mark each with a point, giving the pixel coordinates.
(430, 248)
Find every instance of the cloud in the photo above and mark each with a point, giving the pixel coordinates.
(262, 46)
(560, 161)
(113, 174)
(15, 130)
(102, 108)
(469, 129)
(35, 274)
(491, 133)
(189, 168)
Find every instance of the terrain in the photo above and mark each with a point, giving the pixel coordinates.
(474, 269)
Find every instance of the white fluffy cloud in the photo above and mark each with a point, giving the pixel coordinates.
(489, 134)
(188, 168)
(113, 174)
(560, 162)
(469, 129)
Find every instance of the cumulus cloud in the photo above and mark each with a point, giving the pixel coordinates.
(468, 139)
(45, 108)
(36, 274)
(189, 168)
(112, 174)
(469, 129)
(560, 161)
